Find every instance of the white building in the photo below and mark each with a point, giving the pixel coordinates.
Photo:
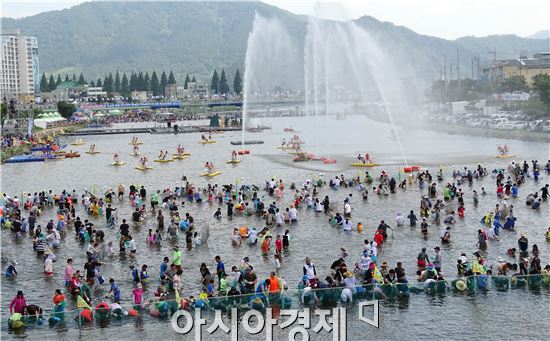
(19, 67)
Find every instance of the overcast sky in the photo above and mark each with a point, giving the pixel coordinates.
(448, 19)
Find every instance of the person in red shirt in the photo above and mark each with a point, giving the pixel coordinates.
(265, 245)
(278, 244)
(379, 237)
(461, 211)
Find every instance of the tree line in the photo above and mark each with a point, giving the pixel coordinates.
(139, 81)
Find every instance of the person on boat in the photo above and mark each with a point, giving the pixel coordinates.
(367, 158)
(234, 156)
(360, 158)
(92, 148)
(203, 137)
(116, 157)
(136, 149)
(283, 143)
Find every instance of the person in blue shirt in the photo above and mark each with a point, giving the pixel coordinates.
(220, 268)
(262, 290)
(143, 274)
(115, 291)
(163, 267)
(515, 191)
(11, 271)
(135, 274)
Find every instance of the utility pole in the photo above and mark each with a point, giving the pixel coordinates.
(494, 61)
(472, 68)
(458, 68)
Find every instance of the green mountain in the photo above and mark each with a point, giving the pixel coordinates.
(197, 37)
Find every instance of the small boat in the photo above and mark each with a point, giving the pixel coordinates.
(411, 169)
(78, 142)
(178, 157)
(120, 163)
(327, 160)
(233, 161)
(239, 143)
(289, 130)
(360, 164)
(207, 141)
(93, 152)
(505, 156)
(71, 155)
(163, 161)
(135, 143)
(134, 154)
(211, 174)
(24, 158)
(243, 152)
(144, 168)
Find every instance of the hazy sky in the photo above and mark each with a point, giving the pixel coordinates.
(448, 19)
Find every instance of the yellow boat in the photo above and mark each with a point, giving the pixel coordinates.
(506, 156)
(120, 163)
(78, 142)
(164, 161)
(285, 148)
(207, 142)
(360, 164)
(134, 154)
(135, 143)
(92, 152)
(211, 174)
(183, 154)
(233, 161)
(144, 168)
(177, 157)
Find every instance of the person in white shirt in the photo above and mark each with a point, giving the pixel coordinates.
(318, 205)
(347, 225)
(347, 209)
(293, 215)
(278, 218)
(309, 269)
(400, 219)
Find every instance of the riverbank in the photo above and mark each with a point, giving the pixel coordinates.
(453, 129)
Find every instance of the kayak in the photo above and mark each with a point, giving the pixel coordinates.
(78, 143)
(211, 174)
(183, 154)
(135, 143)
(71, 155)
(360, 164)
(206, 142)
(92, 152)
(120, 163)
(134, 154)
(144, 168)
(164, 161)
(233, 161)
(505, 156)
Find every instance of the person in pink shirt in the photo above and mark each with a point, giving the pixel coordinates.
(138, 296)
(68, 273)
(18, 303)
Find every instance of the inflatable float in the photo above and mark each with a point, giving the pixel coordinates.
(411, 169)
(93, 152)
(134, 154)
(207, 142)
(360, 164)
(180, 157)
(233, 161)
(120, 163)
(211, 174)
(182, 154)
(164, 161)
(244, 152)
(506, 156)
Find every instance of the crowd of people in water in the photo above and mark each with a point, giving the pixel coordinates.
(163, 211)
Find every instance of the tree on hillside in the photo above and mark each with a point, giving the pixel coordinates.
(51, 84)
(163, 82)
(155, 84)
(224, 88)
(58, 80)
(146, 82)
(187, 80)
(124, 86)
(67, 78)
(98, 83)
(237, 83)
(92, 84)
(117, 82)
(44, 83)
(514, 83)
(81, 80)
(74, 78)
(541, 86)
(65, 109)
(194, 80)
(141, 86)
(215, 83)
(133, 82)
(171, 78)
(108, 83)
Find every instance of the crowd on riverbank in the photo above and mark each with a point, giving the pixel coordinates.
(168, 215)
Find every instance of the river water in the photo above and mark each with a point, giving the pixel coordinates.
(519, 314)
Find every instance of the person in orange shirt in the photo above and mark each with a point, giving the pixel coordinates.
(266, 245)
(273, 284)
(379, 237)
